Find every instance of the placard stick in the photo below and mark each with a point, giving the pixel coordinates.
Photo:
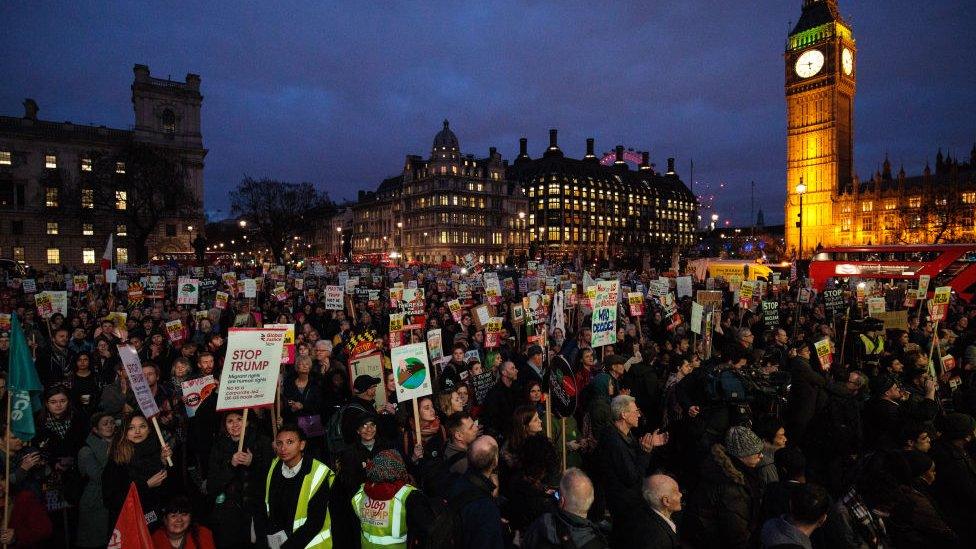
(562, 422)
(6, 478)
(159, 433)
(932, 346)
(549, 415)
(240, 443)
(416, 421)
(843, 341)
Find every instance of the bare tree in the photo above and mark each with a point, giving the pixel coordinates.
(278, 210)
(944, 219)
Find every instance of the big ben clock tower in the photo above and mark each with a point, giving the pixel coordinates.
(820, 84)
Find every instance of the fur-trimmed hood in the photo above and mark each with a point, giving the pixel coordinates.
(719, 467)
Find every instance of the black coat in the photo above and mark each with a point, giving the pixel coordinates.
(955, 488)
(239, 490)
(116, 478)
(624, 464)
(724, 510)
(499, 406)
(807, 396)
(545, 532)
(645, 529)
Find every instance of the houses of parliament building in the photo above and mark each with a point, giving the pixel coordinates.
(838, 207)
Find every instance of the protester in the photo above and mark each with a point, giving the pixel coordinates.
(136, 456)
(568, 523)
(391, 511)
(94, 530)
(179, 530)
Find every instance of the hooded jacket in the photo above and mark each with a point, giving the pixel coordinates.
(780, 533)
(725, 508)
(544, 533)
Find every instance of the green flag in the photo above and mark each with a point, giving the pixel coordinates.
(23, 385)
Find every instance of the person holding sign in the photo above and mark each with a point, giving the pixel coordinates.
(235, 478)
(136, 456)
(296, 495)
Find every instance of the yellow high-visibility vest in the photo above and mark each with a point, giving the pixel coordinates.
(383, 523)
(872, 348)
(319, 474)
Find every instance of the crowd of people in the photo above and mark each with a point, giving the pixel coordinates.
(733, 433)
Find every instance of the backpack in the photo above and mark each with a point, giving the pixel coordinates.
(724, 385)
(447, 529)
(334, 440)
(436, 476)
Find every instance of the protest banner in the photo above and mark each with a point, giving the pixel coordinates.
(493, 332)
(80, 283)
(696, 317)
(683, 286)
(140, 388)
(288, 345)
(174, 328)
(435, 346)
(834, 300)
(333, 298)
(29, 285)
(823, 353)
(43, 303)
(195, 391)
(481, 384)
(940, 302)
(746, 291)
(876, 306)
(635, 300)
(188, 292)
(771, 313)
(220, 300)
(923, 286)
(709, 298)
(250, 288)
(604, 324)
(370, 365)
(454, 306)
(251, 366)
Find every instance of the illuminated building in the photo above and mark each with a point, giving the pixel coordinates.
(820, 86)
(45, 221)
(580, 207)
(442, 208)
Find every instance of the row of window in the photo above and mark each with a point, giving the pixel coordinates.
(914, 202)
(964, 222)
(53, 255)
(52, 198)
(51, 162)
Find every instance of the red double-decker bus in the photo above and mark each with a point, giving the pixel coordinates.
(948, 264)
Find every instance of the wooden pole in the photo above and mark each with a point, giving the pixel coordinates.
(240, 443)
(6, 479)
(549, 415)
(276, 411)
(935, 341)
(843, 341)
(562, 422)
(159, 433)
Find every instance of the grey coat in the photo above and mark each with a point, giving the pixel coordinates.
(93, 526)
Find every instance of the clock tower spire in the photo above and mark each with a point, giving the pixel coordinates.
(820, 86)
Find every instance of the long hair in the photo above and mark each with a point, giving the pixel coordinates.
(122, 449)
(520, 426)
(58, 389)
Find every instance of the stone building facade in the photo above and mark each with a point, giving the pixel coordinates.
(442, 208)
(40, 159)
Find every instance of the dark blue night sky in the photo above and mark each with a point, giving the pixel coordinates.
(336, 93)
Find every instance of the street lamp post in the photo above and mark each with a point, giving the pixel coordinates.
(521, 231)
(714, 220)
(800, 189)
(403, 248)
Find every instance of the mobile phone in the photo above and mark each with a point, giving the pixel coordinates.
(556, 495)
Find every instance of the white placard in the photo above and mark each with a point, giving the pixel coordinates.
(251, 366)
(137, 381)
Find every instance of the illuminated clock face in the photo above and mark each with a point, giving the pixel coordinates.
(847, 61)
(809, 63)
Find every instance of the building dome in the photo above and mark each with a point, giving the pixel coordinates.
(445, 138)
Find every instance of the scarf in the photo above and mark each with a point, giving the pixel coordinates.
(58, 426)
(429, 428)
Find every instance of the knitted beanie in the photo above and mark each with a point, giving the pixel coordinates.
(386, 466)
(740, 441)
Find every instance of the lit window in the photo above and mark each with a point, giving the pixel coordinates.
(867, 223)
(941, 201)
(867, 206)
(87, 229)
(121, 200)
(120, 230)
(53, 256)
(915, 202)
(18, 253)
(51, 197)
(86, 164)
(5, 158)
(120, 167)
(52, 227)
(88, 198)
(88, 256)
(50, 161)
(122, 255)
(845, 224)
(890, 205)
(969, 198)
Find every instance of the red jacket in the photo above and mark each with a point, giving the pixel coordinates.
(204, 538)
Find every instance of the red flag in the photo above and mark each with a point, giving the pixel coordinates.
(131, 531)
(106, 262)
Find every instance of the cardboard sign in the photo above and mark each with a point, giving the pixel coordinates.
(188, 291)
(940, 302)
(175, 330)
(481, 315)
(709, 298)
(251, 366)
(894, 320)
(137, 381)
(636, 302)
(195, 391)
(371, 365)
(823, 353)
(411, 372)
(333, 298)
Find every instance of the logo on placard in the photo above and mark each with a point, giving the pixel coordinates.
(411, 373)
(272, 337)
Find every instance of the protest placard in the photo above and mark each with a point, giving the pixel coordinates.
(370, 365)
(771, 313)
(923, 286)
(635, 300)
(435, 346)
(454, 306)
(220, 300)
(481, 384)
(876, 306)
(604, 325)
(834, 300)
(709, 298)
(333, 298)
(137, 381)
(396, 322)
(43, 303)
(195, 391)
(683, 286)
(411, 372)
(288, 345)
(250, 288)
(174, 328)
(251, 367)
(696, 317)
(29, 285)
(188, 291)
(493, 332)
(823, 353)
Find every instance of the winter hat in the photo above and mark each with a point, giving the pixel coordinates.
(740, 441)
(918, 462)
(882, 384)
(956, 426)
(387, 466)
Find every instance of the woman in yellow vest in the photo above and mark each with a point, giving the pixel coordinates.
(387, 505)
(296, 495)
